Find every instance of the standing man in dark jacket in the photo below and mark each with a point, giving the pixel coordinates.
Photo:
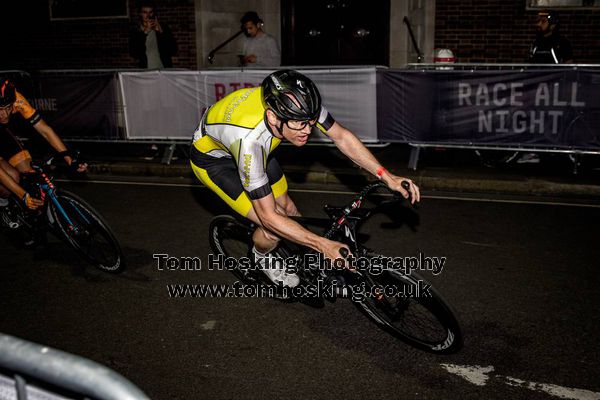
(151, 42)
(549, 47)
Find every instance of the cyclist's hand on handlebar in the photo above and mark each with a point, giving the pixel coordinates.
(335, 250)
(76, 165)
(81, 168)
(31, 202)
(405, 187)
(72, 161)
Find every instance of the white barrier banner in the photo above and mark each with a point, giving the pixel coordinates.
(161, 105)
(169, 104)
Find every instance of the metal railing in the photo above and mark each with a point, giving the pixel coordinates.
(493, 66)
(32, 371)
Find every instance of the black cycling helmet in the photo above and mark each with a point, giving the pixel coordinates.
(282, 86)
(8, 93)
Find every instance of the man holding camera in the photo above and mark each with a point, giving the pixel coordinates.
(151, 42)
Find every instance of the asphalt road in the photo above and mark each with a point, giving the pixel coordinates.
(522, 277)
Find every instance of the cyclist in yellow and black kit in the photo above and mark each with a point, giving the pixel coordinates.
(230, 155)
(14, 158)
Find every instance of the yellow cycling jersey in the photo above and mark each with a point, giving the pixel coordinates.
(235, 127)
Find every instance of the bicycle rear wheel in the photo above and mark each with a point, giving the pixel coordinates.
(423, 320)
(86, 232)
(233, 239)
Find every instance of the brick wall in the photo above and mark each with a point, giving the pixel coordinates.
(476, 30)
(39, 43)
(501, 31)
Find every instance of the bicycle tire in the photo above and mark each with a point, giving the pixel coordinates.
(233, 238)
(427, 323)
(93, 239)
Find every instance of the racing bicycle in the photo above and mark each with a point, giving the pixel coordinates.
(387, 297)
(68, 217)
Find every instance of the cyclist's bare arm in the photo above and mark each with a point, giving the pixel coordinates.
(9, 183)
(353, 148)
(283, 226)
(51, 137)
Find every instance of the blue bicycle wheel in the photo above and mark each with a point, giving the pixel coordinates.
(79, 225)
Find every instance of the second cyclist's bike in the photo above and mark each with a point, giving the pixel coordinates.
(69, 217)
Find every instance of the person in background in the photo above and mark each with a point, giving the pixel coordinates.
(548, 47)
(260, 48)
(151, 42)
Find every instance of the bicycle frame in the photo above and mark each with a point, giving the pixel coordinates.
(47, 189)
(345, 218)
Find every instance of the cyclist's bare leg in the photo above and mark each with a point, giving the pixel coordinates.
(264, 240)
(12, 172)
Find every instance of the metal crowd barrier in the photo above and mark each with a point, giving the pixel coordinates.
(492, 66)
(171, 139)
(29, 371)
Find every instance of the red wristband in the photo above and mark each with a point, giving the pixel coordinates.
(380, 171)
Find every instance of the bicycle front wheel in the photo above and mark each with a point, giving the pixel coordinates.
(409, 308)
(83, 228)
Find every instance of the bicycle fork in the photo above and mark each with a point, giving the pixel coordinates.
(49, 189)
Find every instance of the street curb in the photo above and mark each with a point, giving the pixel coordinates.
(427, 180)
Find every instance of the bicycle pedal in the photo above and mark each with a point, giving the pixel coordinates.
(13, 225)
(9, 222)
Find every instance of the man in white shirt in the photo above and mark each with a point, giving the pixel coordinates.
(260, 48)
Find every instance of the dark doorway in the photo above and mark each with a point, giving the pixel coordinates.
(335, 32)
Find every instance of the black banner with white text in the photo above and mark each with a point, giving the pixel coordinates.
(534, 108)
(78, 104)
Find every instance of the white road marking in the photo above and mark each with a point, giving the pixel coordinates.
(209, 325)
(480, 244)
(127, 183)
(483, 200)
(475, 374)
(555, 390)
(479, 376)
(343, 192)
